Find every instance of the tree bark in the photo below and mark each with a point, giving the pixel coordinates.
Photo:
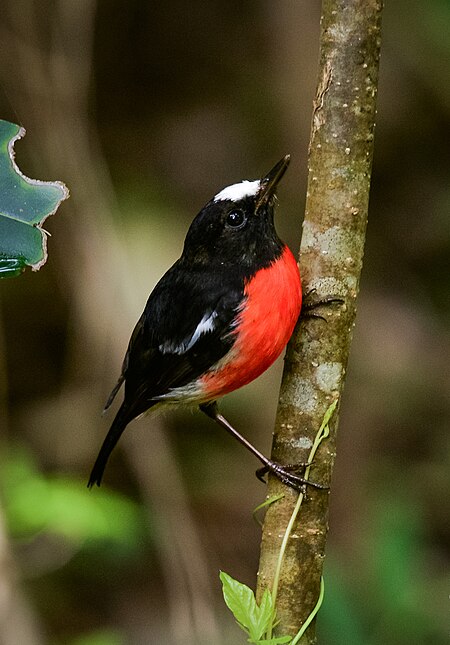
(331, 253)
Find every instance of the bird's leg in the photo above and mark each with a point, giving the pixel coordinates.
(309, 305)
(284, 473)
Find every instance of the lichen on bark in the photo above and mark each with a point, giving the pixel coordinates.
(331, 254)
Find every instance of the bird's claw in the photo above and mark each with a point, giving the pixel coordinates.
(286, 474)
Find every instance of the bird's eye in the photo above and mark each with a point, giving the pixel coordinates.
(236, 219)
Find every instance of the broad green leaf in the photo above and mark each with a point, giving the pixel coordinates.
(24, 206)
(253, 619)
(241, 601)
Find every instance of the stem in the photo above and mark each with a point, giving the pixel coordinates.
(340, 161)
(322, 433)
(312, 615)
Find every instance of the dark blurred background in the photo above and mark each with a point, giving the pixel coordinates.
(145, 110)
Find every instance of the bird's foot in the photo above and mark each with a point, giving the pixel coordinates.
(287, 475)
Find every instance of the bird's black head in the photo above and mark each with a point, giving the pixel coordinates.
(236, 227)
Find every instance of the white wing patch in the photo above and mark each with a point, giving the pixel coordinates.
(236, 192)
(204, 326)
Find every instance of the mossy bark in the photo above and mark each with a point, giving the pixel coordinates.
(331, 253)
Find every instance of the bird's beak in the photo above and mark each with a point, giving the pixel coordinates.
(270, 182)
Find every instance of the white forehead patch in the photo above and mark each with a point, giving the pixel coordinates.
(239, 191)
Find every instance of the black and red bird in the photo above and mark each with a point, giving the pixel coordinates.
(217, 319)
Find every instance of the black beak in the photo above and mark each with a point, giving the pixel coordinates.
(271, 180)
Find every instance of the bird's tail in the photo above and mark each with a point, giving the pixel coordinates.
(118, 426)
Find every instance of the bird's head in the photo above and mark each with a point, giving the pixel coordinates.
(236, 227)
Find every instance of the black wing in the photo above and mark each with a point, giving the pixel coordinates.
(185, 328)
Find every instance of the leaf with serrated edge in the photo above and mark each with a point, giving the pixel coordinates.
(24, 206)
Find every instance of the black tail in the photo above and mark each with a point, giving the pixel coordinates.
(118, 426)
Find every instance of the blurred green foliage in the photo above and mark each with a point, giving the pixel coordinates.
(63, 507)
(103, 637)
(387, 602)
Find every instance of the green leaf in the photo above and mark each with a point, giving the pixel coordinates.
(253, 619)
(241, 601)
(24, 206)
(265, 613)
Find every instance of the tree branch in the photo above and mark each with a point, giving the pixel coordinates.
(340, 161)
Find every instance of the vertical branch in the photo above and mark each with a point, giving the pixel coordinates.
(340, 160)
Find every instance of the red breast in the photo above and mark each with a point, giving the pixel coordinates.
(273, 300)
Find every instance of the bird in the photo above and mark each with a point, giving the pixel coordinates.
(217, 319)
